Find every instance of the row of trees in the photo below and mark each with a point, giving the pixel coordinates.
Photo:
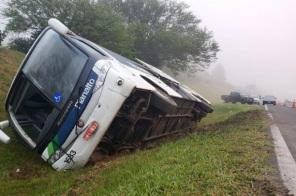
(161, 32)
(2, 36)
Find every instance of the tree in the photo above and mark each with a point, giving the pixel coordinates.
(2, 36)
(21, 44)
(94, 21)
(161, 32)
(167, 34)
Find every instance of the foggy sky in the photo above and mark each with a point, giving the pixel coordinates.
(257, 40)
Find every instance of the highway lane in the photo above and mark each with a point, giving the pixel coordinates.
(283, 131)
(285, 119)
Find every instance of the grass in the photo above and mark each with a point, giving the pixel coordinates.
(9, 62)
(218, 160)
(225, 111)
(228, 156)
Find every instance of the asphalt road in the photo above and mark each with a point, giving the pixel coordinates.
(285, 119)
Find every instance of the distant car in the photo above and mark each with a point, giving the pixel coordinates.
(269, 100)
(246, 99)
(256, 100)
(235, 97)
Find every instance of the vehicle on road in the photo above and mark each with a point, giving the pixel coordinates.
(269, 99)
(233, 97)
(256, 100)
(247, 99)
(73, 101)
(236, 97)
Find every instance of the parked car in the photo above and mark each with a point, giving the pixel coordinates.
(269, 99)
(73, 101)
(245, 99)
(235, 97)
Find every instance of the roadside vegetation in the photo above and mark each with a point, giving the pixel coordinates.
(160, 32)
(227, 155)
(9, 62)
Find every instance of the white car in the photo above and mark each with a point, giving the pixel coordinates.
(73, 100)
(256, 100)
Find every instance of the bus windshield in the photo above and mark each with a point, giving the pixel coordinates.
(54, 67)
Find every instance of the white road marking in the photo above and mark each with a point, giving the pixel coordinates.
(286, 162)
(268, 113)
(266, 108)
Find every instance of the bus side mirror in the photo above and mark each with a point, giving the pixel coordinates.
(59, 27)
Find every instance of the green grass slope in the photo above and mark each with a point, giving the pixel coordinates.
(9, 62)
(227, 156)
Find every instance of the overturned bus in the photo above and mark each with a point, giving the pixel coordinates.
(73, 101)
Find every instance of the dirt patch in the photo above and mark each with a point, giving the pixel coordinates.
(23, 173)
(270, 186)
(91, 174)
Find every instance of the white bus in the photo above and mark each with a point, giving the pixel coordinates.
(73, 101)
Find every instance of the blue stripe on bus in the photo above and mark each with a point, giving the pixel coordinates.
(77, 109)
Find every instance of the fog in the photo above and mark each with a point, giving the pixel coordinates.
(257, 41)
